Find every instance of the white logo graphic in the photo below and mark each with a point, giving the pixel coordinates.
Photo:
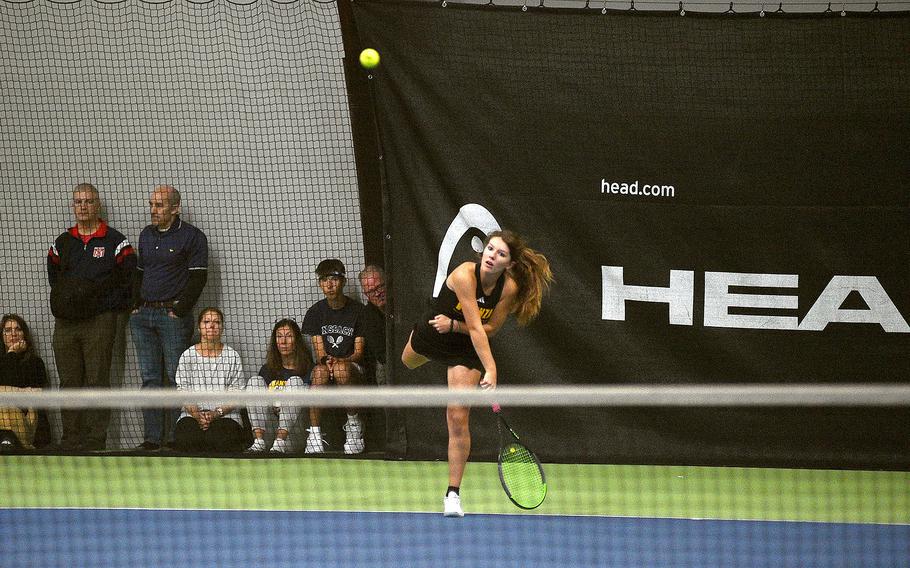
(470, 216)
(335, 342)
(827, 308)
(627, 188)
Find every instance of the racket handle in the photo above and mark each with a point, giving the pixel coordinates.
(496, 407)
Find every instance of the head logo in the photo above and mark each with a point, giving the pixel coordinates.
(470, 216)
(723, 301)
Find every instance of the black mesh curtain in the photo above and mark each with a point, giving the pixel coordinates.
(756, 167)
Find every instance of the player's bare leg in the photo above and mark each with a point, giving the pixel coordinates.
(411, 358)
(459, 377)
(457, 419)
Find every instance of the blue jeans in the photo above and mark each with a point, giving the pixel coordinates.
(160, 340)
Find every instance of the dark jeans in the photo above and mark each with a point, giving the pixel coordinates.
(223, 436)
(82, 352)
(159, 340)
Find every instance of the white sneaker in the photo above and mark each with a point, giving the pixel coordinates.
(354, 446)
(257, 447)
(452, 505)
(353, 443)
(314, 443)
(279, 447)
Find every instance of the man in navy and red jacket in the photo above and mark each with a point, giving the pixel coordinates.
(90, 268)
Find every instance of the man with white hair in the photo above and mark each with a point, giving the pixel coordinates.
(89, 268)
(372, 283)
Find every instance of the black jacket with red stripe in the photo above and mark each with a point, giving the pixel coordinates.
(106, 260)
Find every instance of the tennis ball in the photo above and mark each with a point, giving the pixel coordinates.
(512, 450)
(369, 58)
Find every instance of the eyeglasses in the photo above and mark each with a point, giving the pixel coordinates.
(375, 290)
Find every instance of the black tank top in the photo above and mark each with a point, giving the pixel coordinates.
(447, 303)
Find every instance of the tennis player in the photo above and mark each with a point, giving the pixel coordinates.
(510, 278)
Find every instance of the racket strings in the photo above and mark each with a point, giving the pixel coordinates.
(522, 476)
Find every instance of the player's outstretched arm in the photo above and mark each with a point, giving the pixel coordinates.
(463, 282)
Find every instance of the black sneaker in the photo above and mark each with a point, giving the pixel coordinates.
(148, 447)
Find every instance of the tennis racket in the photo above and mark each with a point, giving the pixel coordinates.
(520, 471)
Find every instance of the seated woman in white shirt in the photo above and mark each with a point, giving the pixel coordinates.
(210, 365)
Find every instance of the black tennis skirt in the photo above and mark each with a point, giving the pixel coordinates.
(451, 349)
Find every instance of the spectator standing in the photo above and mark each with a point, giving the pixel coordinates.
(89, 268)
(173, 269)
(335, 327)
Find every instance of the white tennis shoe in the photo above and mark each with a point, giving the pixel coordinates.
(452, 505)
(279, 447)
(353, 429)
(257, 447)
(314, 443)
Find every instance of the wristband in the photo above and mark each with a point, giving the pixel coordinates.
(451, 325)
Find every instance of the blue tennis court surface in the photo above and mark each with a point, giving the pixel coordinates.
(186, 538)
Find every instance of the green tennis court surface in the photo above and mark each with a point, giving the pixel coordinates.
(373, 485)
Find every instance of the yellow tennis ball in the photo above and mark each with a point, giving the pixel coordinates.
(369, 58)
(512, 450)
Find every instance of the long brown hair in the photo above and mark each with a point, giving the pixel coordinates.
(26, 333)
(301, 354)
(531, 272)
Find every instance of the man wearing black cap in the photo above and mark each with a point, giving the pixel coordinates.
(335, 326)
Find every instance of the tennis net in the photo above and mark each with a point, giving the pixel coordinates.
(729, 504)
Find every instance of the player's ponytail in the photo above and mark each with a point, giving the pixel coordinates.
(531, 272)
